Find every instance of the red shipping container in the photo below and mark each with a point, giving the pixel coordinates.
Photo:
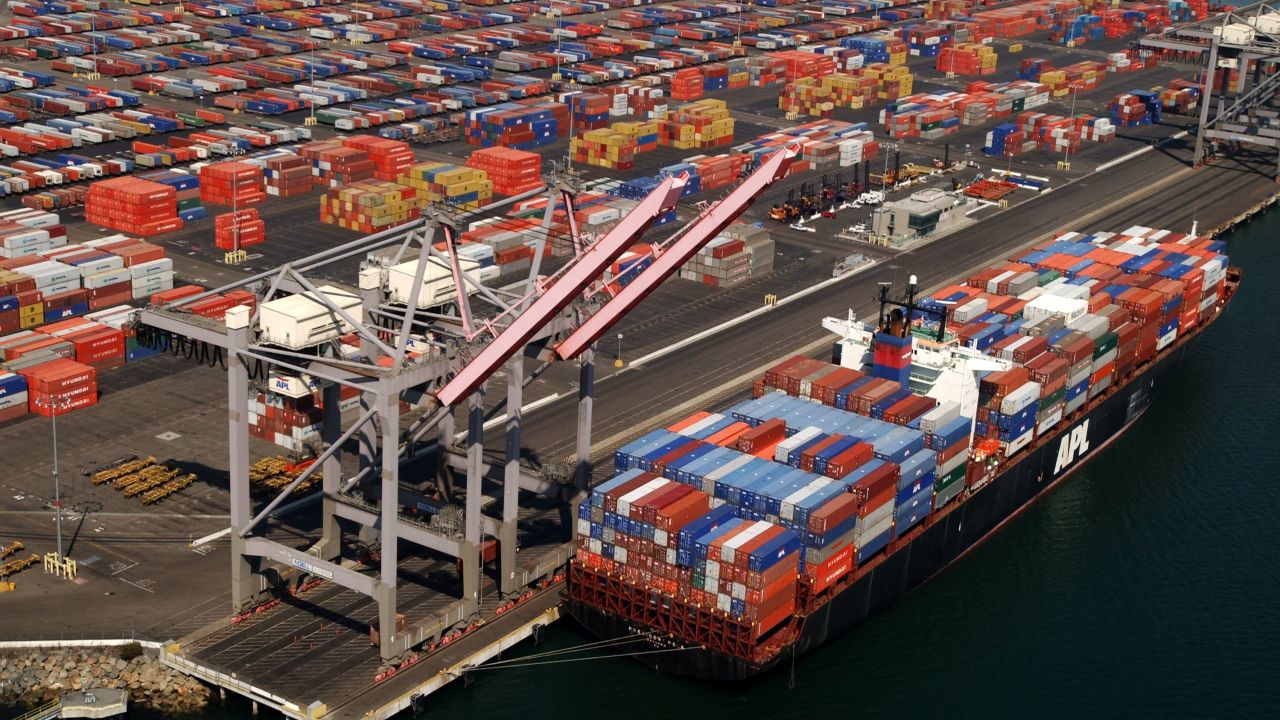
(829, 571)
(767, 433)
(849, 460)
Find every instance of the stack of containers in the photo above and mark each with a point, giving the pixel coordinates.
(662, 535)
(289, 422)
(967, 59)
(645, 101)
(523, 126)
(604, 148)
(460, 186)
(369, 206)
(892, 81)
(333, 164)
(701, 124)
(59, 386)
(187, 188)
(1004, 140)
(798, 64)
(231, 183)
(1136, 107)
(511, 171)
(1007, 405)
(845, 58)
(237, 230)
(806, 97)
(287, 175)
(645, 134)
(138, 207)
(686, 84)
(766, 71)
(588, 111)
(14, 398)
(1180, 97)
(28, 231)
(716, 171)
(738, 253)
(878, 49)
(92, 343)
(391, 158)
(946, 433)
(715, 77)
(850, 91)
(103, 275)
(142, 268)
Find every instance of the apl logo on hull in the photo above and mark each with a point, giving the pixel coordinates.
(1072, 446)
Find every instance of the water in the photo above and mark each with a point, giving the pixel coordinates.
(1144, 585)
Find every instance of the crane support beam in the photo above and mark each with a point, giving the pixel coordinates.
(703, 230)
(588, 266)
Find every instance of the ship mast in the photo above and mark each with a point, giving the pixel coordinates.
(908, 305)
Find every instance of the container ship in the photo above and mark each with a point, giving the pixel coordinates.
(731, 541)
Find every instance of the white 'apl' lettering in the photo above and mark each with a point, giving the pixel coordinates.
(1072, 446)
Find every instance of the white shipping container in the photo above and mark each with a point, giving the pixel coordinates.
(1048, 305)
(1021, 398)
(1048, 421)
(22, 239)
(59, 287)
(969, 310)
(110, 277)
(1007, 352)
(705, 422)
(993, 284)
(50, 272)
(152, 267)
(155, 279)
(786, 446)
(1019, 443)
(13, 400)
(940, 415)
(100, 266)
(1067, 290)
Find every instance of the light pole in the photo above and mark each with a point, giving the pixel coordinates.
(1066, 149)
(55, 405)
(93, 26)
(310, 121)
(884, 178)
(617, 361)
(236, 255)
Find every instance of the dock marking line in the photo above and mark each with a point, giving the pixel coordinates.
(138, 586)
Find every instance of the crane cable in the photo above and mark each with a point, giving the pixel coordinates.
(610, 656)
(576, 648)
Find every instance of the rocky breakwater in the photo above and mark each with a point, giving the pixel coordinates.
(31, 677)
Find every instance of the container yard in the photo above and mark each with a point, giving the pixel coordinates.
(343, 223)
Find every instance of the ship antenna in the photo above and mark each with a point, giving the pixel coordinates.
(884, 300)
(911, 304)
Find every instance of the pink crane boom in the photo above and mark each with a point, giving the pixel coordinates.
(575, 279)
(706, 228)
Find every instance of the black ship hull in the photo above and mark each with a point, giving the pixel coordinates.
(1078, 439)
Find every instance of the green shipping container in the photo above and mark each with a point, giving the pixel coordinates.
(945, 481)
(1104, 345)
(1054, 397)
